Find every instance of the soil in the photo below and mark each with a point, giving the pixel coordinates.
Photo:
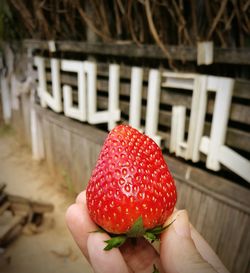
(52, 250)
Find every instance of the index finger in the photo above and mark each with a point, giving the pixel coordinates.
(79, 223)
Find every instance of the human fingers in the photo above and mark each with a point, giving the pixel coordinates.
(141, 256)
(105, 261)
(203, 247)
(206, 251)
(81, 198)
(79, 223)
(178, 252)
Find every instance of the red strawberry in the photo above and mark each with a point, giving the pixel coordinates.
(131, 190)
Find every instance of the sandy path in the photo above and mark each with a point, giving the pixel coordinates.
(52, 250)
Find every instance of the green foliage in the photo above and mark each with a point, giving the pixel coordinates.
(137, 229)
(115, 242)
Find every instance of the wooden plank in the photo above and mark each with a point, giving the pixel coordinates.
(92, 152)
(167, 96)
(235, 138)
(203, 206)
(125, 71)
(183, 53)
(224, 227)
(241, 261)
(80, 172)
(241, 86)
(91, 133)
(8, 223)
(55, 135)
(25, 101)
(4, 207)
(238, 112)
(186, 196)
(22, 203)
(127, 50)
(212, 226)
(236, 231)
(193, 205)
(241, 89)
(236, 55)
(48, 144)
(18, 124)
(182, 197)
(171, 97)
(232, 225)
(62, 156)
(217, 187)
(221, 187)
(14, 232)
(66, 155)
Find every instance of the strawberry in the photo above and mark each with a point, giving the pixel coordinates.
(131, 192)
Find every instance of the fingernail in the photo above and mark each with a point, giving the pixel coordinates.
(181, 224)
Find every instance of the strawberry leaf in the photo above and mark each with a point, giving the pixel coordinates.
(115, 242)
(150, 236)
(158, 230)
(137, 229)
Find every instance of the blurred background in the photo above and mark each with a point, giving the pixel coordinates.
(71, 70)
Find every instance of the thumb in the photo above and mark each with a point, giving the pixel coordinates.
(178, 251)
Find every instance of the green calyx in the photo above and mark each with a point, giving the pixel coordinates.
(137, 230)
(115, 242)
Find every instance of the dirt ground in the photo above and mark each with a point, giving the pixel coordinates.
(53, 250)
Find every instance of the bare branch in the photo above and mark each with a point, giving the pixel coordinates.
(217, 18)
(156, 36)
(26, 15)
(90, 24)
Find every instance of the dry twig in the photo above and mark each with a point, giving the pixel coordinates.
(130, 23)
(42, 21)
(217, 18)
(117, 19)
(26, 15)
(182, 24)
(156, 36)
(91, 25)
(238, 16)
(217, 30)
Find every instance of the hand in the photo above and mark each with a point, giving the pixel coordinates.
(182, 249)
